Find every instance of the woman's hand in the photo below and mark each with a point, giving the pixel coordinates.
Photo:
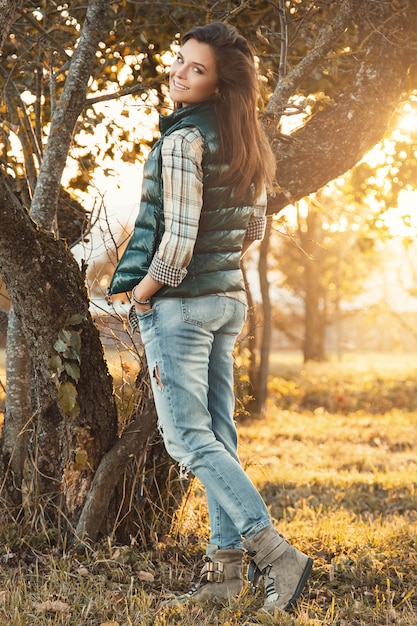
(143, 292)
(141, 304)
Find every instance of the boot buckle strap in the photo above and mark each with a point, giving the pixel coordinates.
(269, 553)
(213, 571)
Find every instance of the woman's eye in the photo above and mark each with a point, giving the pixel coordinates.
(197, 70)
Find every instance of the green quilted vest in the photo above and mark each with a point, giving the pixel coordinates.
(215, 264)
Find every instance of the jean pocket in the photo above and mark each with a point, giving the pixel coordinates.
(203, 310)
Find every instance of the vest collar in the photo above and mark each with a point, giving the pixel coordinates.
(167, 121)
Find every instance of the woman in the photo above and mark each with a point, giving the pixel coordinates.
(203, 203)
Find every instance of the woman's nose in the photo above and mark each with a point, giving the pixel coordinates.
(181, 72)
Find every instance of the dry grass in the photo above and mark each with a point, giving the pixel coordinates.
(341, 485)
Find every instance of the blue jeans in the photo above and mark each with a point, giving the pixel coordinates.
(188, 344)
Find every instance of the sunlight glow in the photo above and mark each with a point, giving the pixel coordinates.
(408, 121)
(402, 220)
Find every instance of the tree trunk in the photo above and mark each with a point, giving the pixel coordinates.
(15, 436)
(75, 418)
(313, 347)
(259, 369)
(262, 378)
(251, 342)
(112, 466)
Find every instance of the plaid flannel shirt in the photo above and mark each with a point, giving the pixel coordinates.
(182, 155)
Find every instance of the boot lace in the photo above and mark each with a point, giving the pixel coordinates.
(255, 575)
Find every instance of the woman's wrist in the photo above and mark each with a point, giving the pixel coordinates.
(137, 300)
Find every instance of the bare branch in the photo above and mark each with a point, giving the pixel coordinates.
(27, 137)
(45, 34)
(70, 106)
(284, 40)
(324, 44)
(116, 94)
(8, 9)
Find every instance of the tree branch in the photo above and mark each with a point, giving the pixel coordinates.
(354, 121)
(116, 94)
(45, 36)
(324, 44)
(69, 108)
(8, 9)
(27, 137)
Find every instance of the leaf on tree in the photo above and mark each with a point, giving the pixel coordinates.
(72, 370)
(67, 395)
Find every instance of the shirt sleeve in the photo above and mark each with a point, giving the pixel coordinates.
(182, 175)
(257, 221)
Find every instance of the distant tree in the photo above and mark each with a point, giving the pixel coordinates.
(348, 93)
(339, 239)
(325, 255)
(61, 420)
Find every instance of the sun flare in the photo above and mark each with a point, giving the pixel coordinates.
(408, 120)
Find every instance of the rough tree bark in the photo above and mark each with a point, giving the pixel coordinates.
(49, 434)
(112, 466)
(15, 439)
(18, 415)
(48, 292)
(259, 375)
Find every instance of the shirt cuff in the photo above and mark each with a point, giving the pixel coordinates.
(256, 228)
(164, 273)
(133, 320)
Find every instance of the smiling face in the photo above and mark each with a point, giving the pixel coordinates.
(193, 76)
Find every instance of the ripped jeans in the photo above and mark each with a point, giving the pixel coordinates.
(188, 344)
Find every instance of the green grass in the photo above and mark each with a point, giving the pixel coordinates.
(341, 485)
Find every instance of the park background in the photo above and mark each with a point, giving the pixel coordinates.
(325, 377)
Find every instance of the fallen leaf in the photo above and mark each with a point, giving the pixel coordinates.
(146, 576)
(56, 606)
(8, 556)
(3, 597)
(116, 596)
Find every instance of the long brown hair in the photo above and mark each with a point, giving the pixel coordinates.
(244, 145)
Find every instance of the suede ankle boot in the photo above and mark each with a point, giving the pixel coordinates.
(285, 569)
(220, 578)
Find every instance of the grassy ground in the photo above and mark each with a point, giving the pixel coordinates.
(335, 458)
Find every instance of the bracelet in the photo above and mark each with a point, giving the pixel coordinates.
(148, 301)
